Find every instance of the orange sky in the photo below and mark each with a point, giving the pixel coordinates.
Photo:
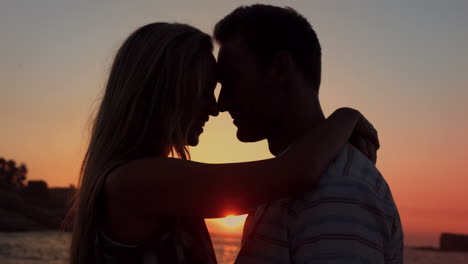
(401, 63)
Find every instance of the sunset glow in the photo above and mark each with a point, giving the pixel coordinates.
(231, 224)
(233, 221)
(400, 63)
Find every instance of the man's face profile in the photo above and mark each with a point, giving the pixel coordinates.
(248, 91)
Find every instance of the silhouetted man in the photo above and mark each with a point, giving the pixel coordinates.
(270, 71)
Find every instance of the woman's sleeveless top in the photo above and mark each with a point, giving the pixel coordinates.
(186, 241)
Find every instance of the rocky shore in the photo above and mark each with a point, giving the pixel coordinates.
(454, 242)
(28, 211)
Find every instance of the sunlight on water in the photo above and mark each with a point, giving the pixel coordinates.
(226, 248)
(51, 248)
(34, 248)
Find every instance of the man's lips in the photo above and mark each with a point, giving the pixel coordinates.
(235, 117)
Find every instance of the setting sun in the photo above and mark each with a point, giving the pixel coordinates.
(232, 221)
(231, 224)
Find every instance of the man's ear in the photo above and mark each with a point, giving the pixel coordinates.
(282, 67)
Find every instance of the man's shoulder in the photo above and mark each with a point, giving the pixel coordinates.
(350, 179)
(351, 211)
(352, 166)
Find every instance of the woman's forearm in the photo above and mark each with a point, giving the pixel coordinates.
(161, 186)
(315, 150)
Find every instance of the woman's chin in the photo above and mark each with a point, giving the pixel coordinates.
(194, 139)
(193, 142)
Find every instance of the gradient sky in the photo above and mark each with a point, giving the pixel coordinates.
(403, 63)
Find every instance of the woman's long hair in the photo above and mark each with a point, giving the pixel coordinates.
(156, 78)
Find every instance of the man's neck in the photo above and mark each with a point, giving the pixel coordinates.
(293, 128)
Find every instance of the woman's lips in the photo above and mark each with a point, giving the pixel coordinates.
(203, 122)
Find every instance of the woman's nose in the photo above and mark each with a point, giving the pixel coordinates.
(213, 107)
(214, 111)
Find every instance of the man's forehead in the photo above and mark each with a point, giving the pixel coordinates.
(233, 51)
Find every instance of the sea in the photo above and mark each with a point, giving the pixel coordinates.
(50, 247)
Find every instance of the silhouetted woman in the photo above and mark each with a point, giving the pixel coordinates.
(135, 203)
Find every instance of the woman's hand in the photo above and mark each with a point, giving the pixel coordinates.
(365, 139)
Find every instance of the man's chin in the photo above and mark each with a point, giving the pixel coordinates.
(246, 137)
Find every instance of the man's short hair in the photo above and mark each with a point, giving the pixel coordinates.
(268, 30)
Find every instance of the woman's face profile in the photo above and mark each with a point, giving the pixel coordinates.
(207, 105)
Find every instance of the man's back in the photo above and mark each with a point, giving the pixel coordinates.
(349, 218)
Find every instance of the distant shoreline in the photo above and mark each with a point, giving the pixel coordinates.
(213, 235)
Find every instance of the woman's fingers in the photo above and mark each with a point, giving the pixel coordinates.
(365, 129)
(372, 151)
(359, 143)
(366, 146)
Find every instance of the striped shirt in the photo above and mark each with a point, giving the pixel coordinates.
(350, 217)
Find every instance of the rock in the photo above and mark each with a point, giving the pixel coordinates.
(11, 221)
(37, 190)
(454, 242)
(18, 215)
(11, 200)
